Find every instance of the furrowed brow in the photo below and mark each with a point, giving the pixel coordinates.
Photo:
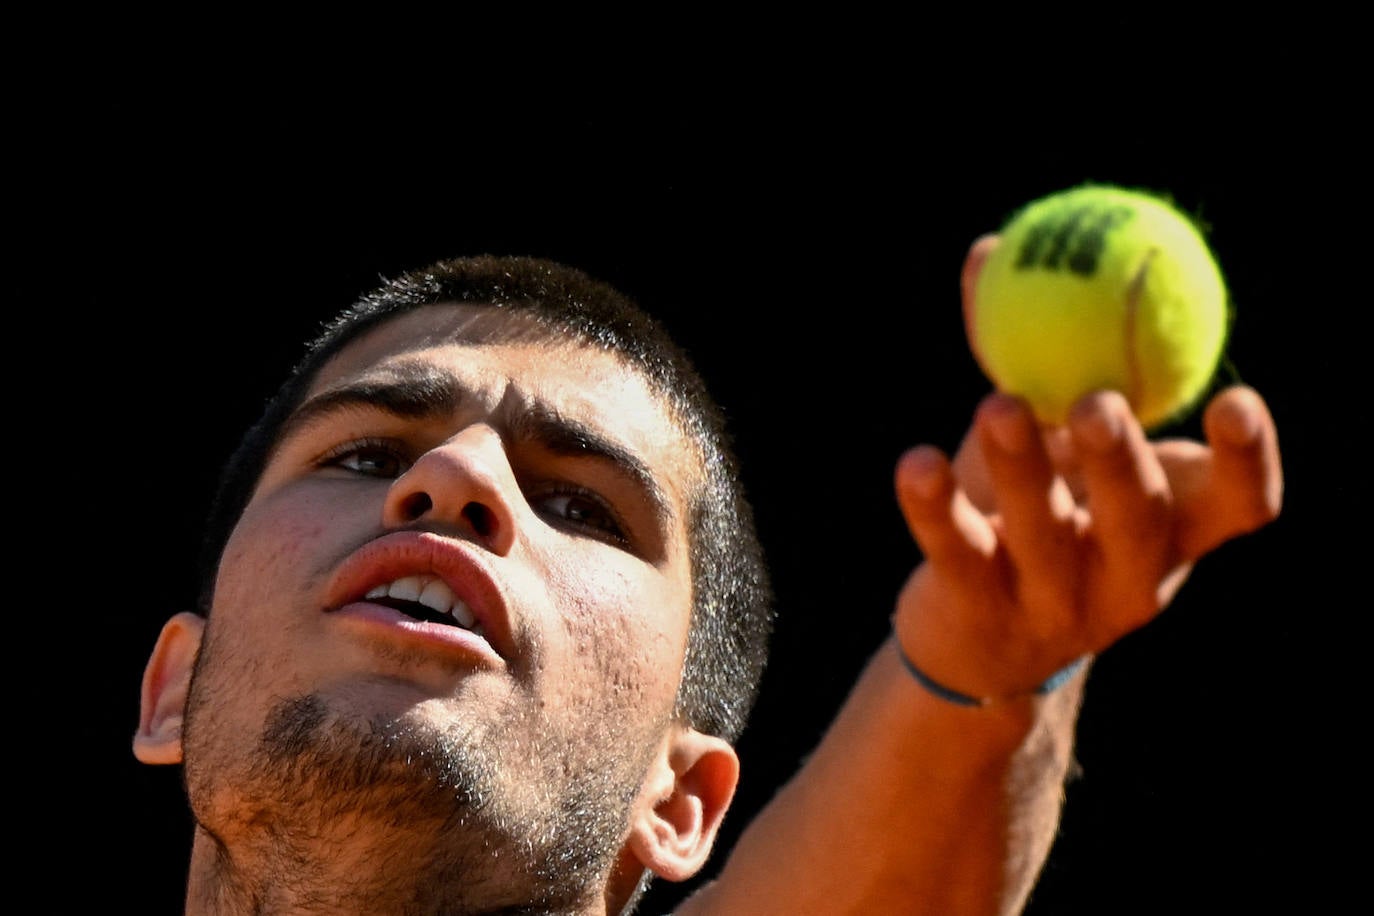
(415, 392)
(567, 437)
(403, 391)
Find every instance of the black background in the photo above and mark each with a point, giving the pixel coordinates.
(806, 248)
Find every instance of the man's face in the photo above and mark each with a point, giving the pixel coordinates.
(455, 607)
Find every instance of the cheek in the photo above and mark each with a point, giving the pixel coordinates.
(262, 556)
(257, 552)
(267, 595)
(277, 553)
(623, 632)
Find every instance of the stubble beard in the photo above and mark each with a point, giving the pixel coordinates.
(454, 821)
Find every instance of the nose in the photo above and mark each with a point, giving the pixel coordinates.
(464, 485)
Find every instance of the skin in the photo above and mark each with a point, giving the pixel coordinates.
(1040, 546)
(974, 794)
(556, 725)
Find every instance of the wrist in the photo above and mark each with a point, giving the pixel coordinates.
(952, 694)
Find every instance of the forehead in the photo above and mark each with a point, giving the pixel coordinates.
(507, 360)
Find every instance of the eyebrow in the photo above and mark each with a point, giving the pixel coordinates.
(419, 392)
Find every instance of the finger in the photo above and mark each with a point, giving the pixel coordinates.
(971, 469)
(1129, 499)
(1035, 508)
(971, 472)
(968, 284)
(968, 459)
(1235, 485)
(1064, 459)
(948, 529)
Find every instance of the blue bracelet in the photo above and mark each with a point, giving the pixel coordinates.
(1054, 682)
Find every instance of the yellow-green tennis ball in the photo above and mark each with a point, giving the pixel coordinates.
(1100, 287)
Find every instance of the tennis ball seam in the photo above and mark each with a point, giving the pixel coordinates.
(1135, 392)
(1100, 287)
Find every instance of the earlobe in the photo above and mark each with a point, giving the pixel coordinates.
(166, 681)
(683, 801)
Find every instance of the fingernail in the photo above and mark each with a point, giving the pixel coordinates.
(925, 466)
(1009, 425)
(1099, 430)
(1239, 425)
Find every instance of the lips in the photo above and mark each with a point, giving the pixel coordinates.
(425, 587)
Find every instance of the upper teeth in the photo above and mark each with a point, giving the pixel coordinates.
(433, 593)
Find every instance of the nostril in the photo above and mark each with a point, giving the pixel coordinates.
(416, 505)
(480, 518)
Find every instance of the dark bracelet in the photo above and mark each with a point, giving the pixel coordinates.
(1054, 682)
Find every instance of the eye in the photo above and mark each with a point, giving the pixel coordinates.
(367, 457)
(581, 509)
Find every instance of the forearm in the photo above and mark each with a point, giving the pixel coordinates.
(910, 804)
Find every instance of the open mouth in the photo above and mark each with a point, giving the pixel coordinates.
(425, 598)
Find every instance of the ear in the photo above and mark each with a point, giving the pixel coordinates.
(165, 684)
(682, 803)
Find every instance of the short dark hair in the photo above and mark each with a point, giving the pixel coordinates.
(732, 601)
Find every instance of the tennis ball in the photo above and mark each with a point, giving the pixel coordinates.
(1100, 287)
